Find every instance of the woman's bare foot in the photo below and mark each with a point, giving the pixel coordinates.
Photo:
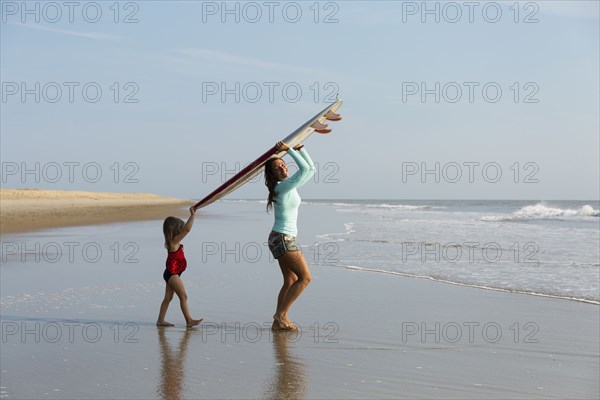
(291, 325)
(286, 321)
(282, 324)
(193, 322)
(163, 323)
(276, 326)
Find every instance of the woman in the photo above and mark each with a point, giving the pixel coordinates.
(284, 199)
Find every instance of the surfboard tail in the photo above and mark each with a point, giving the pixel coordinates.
(304, 131)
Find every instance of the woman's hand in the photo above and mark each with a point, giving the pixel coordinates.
(298, 146)
(192, 210)
(280, 146)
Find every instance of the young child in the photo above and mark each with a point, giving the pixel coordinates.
(175, 230)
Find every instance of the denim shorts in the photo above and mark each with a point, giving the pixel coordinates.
(279, 243)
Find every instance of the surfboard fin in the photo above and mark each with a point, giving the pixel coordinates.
(320, 128)
(331, 116)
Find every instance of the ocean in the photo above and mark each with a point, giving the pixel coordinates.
(546, 248)
(549, 248)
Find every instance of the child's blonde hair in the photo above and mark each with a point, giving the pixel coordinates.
(172, 227)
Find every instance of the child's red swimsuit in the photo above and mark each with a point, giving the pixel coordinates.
(176, 263)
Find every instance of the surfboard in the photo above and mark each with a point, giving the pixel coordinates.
(256, 166)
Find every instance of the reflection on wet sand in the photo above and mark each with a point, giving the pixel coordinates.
(289, 378)
(172, 378)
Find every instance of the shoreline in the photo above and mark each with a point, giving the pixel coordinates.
(26, 210)
(473, 285)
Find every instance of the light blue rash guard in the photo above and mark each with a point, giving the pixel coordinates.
(287, 199)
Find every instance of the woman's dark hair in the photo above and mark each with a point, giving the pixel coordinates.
(270, 182)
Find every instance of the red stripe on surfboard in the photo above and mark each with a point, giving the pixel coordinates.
(258, 162)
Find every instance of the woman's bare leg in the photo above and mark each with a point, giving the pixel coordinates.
(295, 262)
(288, 280)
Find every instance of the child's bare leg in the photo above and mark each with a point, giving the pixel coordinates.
(164, 306)
(177, 285)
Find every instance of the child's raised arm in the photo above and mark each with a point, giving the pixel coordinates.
(188, 226)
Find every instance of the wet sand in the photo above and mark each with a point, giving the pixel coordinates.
(31, 209)
(85, 329)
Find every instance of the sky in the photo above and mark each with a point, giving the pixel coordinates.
(442, 100)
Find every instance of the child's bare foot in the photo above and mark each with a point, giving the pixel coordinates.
(194, 322)
(163, 323)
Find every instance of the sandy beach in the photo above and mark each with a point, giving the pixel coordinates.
(83, 325)
(30, 209)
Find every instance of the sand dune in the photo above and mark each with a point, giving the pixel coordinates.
(31, 209)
